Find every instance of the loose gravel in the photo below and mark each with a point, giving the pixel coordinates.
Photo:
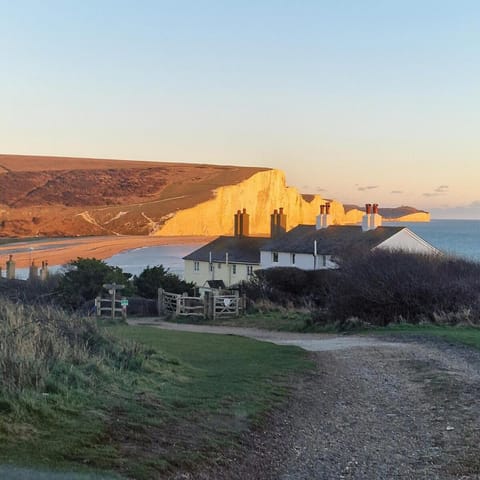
(386, 410)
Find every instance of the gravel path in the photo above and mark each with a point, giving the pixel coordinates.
(377, 410)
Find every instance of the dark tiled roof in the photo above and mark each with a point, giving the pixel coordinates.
(331, 240)
(240, 250)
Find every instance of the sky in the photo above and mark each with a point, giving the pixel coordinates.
(361, 101)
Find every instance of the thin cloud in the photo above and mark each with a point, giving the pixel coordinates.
(396, 191)
(440, 190)
(475, 204)
(367, 187)
(319, 189)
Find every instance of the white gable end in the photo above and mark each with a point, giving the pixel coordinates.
(407, 241)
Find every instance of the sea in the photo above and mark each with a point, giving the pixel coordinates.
(454, 237)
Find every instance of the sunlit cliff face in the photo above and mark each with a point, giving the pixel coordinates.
(261, 194)
(48, 196)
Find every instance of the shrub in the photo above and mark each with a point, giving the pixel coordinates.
(84, 278)
(383, 287)
(288, 286)
(153, 278)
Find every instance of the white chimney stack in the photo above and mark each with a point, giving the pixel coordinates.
(372, 219)
(324, 220)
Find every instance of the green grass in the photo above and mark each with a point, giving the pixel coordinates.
(466, 335)
(193, 396)
(278, 320)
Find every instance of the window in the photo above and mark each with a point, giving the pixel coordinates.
(234, 268)
(324, 257)
(275, 257)
(196, 266)
(249, 270)
(293, 259)
(211, 267)
(219, 266)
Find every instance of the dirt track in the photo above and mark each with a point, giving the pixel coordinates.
(374, 411)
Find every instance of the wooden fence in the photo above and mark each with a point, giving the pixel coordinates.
(209, 306)
(103, 307)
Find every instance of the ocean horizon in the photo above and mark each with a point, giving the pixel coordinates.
(453, 237)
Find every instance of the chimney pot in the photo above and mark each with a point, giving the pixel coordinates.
(322, 209)
(375, 208)
(368, 208)
(244, 210)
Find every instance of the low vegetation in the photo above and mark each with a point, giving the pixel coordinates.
(455, 334)
(376, 290)
(137, 401)
(153, 278)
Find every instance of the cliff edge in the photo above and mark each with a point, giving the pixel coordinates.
(63, 196)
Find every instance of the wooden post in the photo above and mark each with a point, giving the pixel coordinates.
(113, 301)
(237, 302)
(98, 306)
(214, 305)
(161, 301)
(206, 300)
(178, 305)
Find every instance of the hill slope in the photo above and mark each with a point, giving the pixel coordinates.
(63, 196)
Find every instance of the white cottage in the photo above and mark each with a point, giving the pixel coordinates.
(315, 247)
(229, 259)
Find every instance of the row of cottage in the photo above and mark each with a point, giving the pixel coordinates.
(231, 259)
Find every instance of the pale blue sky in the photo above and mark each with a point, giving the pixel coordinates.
(353, 99)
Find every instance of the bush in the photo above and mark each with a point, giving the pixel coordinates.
(84, 278)
(287, 286)
(384, 287)
(153, 278)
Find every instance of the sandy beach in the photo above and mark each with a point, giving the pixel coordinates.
(59, 251)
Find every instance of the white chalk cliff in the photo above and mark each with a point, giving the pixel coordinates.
(260, 194)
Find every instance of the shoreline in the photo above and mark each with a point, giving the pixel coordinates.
(59, 251)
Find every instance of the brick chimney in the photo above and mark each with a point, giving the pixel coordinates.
(241, 223)
(372, 219)
(10, 268)
(278, 223)
(324, 220)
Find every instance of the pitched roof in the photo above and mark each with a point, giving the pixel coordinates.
(331, 240)
(239, 249)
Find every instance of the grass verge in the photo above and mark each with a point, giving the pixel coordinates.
(191, 397)
(466, 335)
(287, 320)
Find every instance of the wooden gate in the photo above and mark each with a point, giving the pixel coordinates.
(225, 306)
(209, 306)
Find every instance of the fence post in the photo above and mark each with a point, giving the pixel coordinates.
(178, 306)
(161, 301)
(214, 306)
(98, 306)
(206, 301)
(237, 303)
